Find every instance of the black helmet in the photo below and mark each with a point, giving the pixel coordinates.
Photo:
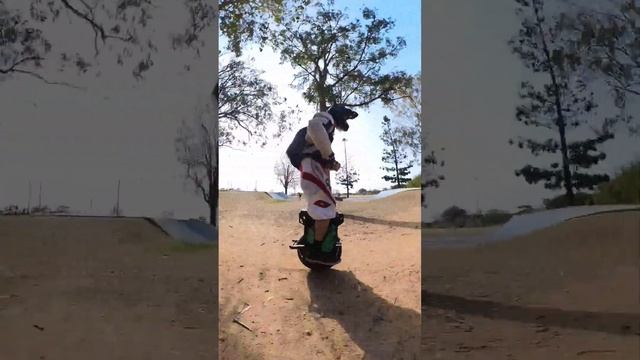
(341, 114)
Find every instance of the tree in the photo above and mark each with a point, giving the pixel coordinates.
(196, 146)
(408, 112)
(454, 215)
(429, 172)
(287, 175)
(125, 29)
(395, 155)
(624, 188)
(244, 21)
(607, 35)
(430, 175)
(562, 103)
(340, 61)
(246, 104)
(347, 177)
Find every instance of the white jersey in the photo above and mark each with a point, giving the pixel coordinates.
(320, 134)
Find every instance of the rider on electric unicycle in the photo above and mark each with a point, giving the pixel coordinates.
(311, 153)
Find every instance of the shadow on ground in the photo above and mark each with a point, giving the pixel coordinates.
(612, 323)
(380, 328)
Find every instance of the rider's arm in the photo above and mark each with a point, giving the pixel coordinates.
(319, 136)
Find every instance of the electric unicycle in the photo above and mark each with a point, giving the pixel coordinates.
(331, 243)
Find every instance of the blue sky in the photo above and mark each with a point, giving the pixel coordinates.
(363, 144)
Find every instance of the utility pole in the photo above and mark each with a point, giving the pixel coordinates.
(29, 201)
(118, 200)
(346, 167)
(40, 196)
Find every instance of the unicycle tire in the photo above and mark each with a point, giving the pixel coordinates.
(315, 266)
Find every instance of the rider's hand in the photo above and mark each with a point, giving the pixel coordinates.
(335, 166)
(331, 163)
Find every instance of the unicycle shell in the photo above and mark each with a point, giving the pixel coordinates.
(314, 266)
(307, 222)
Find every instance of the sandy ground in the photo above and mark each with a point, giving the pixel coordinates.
(74, 288)
(567, 292)
(367, 308)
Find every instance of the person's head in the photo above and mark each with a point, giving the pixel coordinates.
(341, 114)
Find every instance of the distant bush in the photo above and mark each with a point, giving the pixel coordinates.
(495, 217)
(415, 182)
(624, 188)
(454, 216)
(364, 191)
(561, 201)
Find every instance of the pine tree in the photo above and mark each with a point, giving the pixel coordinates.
(394, 155)
(563, 103)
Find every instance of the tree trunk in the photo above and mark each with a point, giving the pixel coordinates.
(566, 171)
(322, 100)
(213, 199)
(567, 176)
(395, 161)
(213, 191)
(322, 95)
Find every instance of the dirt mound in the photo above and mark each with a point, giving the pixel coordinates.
(550, 292)
(404, 206)
(80, 288)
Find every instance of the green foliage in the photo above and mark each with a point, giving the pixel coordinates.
(561, 201)
(563, 103)
(415, 182)
(609, 41)
(125, 29)
(251, 21)
(338, 60)
(495, 217)
(395, 155)
(247, 103)
(624, 188)
(430, 174)
(408, 112)
(454, 215)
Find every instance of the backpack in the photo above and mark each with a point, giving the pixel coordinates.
(295, 151)
(296, 148)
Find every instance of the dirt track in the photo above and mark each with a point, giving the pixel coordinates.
(102, 289)
(368, 307)
(568, 292)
